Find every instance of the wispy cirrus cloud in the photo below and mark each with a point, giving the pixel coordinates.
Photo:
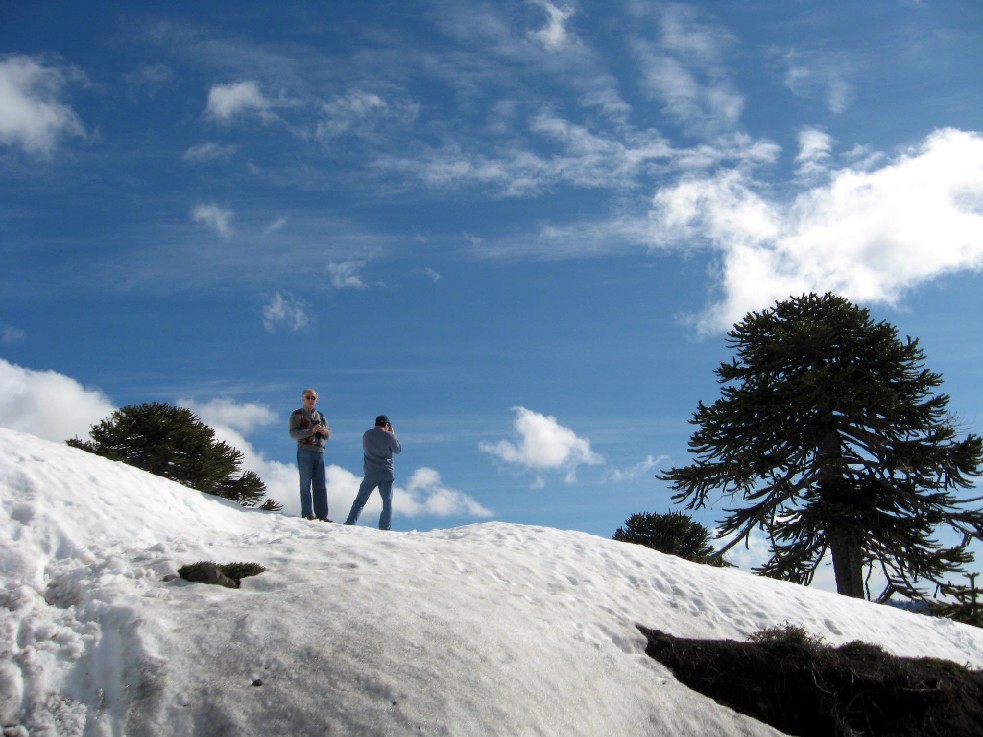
(214, 217)
(685, 67)
(820, 76)
(286, 311)
(344, 275)
(555, 34)
(209, 151)
(363, 113)
(10, 334)
(643, 468)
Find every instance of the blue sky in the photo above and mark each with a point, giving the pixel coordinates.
(520, 228)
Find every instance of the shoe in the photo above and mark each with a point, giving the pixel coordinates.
(309, 518)
(325, 519)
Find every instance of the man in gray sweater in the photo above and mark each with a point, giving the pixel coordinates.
(309, 428)
(379, 443)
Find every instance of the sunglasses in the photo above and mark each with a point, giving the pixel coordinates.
(310, 396)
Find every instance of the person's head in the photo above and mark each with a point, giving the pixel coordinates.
(383, 422)
(309, 396)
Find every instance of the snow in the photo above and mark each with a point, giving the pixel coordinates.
(488, 629)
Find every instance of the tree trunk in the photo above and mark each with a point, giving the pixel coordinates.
(845, 540)
(848, 567)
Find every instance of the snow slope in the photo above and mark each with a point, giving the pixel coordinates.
(489, 629)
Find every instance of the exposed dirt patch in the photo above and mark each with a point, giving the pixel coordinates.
(802, 687)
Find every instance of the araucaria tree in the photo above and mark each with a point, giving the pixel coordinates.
(829, 433)
(172, 442)
(674, 533)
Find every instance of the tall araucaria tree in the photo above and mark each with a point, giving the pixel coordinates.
(830, 436)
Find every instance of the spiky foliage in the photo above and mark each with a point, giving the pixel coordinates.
(963, 604)
(174, 443)
(674, 533)
(830, 434)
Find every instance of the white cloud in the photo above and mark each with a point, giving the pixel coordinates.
(360, 113)
(285, 310)
(226, 101)
(685, 69)
(820, 76)
(867, 235)
(586, 159)
(208, 152)
(643, 468)
(554, 35)
(31, 114)
(150, 75)
(10, 334)
(275, 225)
(48, 404)
(814, 153)
(542, 444)
(344, 275)
(240, 417)
(217, 218)
(55, 407)
(425, 493)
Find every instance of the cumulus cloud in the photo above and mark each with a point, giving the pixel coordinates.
(217, 218)
(48, 404)
(240, 417)
(542, 444)
(287, 311)
(32, 115)
(227, 101)
(868, 235)
(344, 275)
(424, 495)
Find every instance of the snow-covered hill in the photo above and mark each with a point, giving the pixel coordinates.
(490, 629)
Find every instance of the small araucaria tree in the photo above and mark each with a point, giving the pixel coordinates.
(172, 442)
(674, 533)
(828, 431)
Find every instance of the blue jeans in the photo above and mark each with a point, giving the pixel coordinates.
(384, 480)
(311, 466)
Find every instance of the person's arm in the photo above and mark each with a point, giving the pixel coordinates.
(325, 429)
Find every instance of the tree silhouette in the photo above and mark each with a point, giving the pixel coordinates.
(828, 431)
